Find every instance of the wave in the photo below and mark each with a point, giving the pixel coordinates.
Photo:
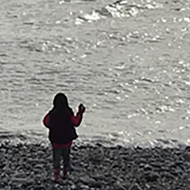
(108, 140)
(119, 9)
(21, 137)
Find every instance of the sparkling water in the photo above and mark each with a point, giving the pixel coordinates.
(128, 62)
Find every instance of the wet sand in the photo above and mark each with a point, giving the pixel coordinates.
(29, 167)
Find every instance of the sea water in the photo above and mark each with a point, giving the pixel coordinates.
(127, 61)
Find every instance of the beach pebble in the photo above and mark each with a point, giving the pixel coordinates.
(99, 177)
(151, 176)
(90, 181)
(118, 186)
(40, 166)
(135, 187)
(187, 156)
(167, 175)
(84, 187)
(39, 188)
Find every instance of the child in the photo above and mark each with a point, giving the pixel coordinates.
(61, 121)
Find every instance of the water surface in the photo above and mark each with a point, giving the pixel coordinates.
(127, 61)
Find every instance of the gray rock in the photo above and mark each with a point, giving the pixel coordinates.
(147, 167)
(187, 156)
(135, 187)
(84, 187)
(119, 186)
(100, 177)
(187, 148)
(167, 175)
(73, 187)
(39, 188)
(40, 166)
(22, 180)
(87, 180)
(90, 181)
(97, 154)
(151, 176)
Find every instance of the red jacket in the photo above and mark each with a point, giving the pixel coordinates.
(61, 125)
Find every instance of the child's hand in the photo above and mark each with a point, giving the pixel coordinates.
(81, 108)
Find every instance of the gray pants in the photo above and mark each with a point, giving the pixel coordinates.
(61, 154)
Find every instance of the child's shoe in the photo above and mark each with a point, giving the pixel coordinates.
(56, 173)
(64, 173)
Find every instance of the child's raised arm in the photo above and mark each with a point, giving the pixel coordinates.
(76, 120)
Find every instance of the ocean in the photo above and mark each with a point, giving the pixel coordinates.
(127, 61)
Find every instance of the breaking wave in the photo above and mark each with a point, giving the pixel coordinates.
(119, 9)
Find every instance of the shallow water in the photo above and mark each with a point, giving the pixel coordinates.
(127, 61)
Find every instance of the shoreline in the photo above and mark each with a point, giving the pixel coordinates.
(39, 138)
(29, 167)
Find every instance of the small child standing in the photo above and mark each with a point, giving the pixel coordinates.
(61, 123)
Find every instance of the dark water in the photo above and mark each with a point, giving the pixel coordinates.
(127, 61)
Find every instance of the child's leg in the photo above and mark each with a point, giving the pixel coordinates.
(66, 160)
(56, 162)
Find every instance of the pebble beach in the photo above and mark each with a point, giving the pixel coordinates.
(28, 166)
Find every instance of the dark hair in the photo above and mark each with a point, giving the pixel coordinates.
(60, 101)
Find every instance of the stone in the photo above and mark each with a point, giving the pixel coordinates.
(187, 156)
(187, 148)
(119, 186)
(40, 166)
(135, 187)
(84, 187)
(39, 188)
(22, 180)
(97, 155)
(73, 187)
(151, 176)
(87, 180)
(147, 167)
(100, 177)
(90, 181)
(167, 175)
